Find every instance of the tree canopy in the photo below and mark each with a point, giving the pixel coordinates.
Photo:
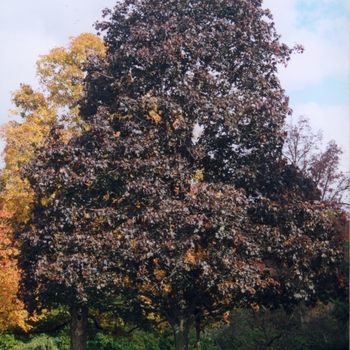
(184, 226)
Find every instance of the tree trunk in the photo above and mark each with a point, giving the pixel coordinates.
(78, 326)
(181, 329)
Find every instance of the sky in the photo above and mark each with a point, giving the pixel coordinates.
(316, 81)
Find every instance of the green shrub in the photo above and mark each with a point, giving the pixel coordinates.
(8, 341)
(139, 340)
(39, 343)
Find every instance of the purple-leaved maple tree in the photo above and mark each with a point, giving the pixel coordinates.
(185, 226)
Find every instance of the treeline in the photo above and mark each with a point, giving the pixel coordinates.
(324, 328)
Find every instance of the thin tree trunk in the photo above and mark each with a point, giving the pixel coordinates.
(181, 330)
(78, 327)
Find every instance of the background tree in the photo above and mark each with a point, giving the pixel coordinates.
(12, 313)
(22, 139)
(303, 149)
(183, 229)
(60, 74)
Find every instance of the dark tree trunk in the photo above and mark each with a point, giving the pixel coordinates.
(78, 326)
(181, 330)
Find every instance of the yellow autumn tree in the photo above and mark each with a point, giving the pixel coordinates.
(12, 313)
(21, 141)
(60, 74)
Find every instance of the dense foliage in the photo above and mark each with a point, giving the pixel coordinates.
(184, 226)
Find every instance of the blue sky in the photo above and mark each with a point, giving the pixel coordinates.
(312, 11)
(330, 21)
(316, 81)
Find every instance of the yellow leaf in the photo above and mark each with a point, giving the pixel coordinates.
(155, 117)
(198, 175)
(44, 201)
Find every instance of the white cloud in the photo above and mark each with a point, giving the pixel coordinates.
(21, 49)
(322, 58)
(284, 13)
(325, 40)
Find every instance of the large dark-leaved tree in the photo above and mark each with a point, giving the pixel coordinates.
(184, 224)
